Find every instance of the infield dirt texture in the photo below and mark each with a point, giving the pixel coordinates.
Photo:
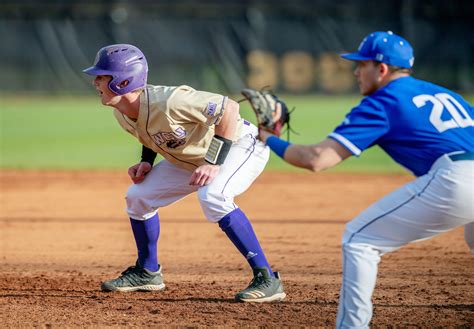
(62, 233)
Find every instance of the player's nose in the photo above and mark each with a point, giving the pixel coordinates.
(95, 82)
(356, 71)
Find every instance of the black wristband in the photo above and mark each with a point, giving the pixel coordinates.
(148, 155)
(218, 150)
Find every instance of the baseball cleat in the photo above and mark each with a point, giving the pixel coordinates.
(262, 288)
(135, 278)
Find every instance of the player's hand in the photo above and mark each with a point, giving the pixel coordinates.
(204, 175)
(138, 172)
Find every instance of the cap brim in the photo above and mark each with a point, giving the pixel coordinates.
(95, 71)
(356, 57)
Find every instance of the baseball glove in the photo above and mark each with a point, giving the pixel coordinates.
(270, 117)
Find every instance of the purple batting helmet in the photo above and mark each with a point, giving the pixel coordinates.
(122, 62)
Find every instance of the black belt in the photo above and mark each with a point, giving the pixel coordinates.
(462, 156)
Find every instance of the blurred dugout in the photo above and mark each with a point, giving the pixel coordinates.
(221, 45)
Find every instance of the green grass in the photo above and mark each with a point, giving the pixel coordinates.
(79, 133)
(62, 132)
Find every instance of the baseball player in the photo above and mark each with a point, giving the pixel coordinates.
(426, 128)
(207, 148)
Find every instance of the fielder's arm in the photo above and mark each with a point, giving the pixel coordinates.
(316, 157)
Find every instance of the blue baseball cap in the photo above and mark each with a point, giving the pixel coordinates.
(385, 47)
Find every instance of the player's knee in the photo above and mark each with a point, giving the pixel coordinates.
(356, 250)
(134, 194)
(348, 247)
(214, 204)
(137, 206)
(346, 235)
(361, 253)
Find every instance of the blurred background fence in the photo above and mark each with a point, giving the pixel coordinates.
(224, 45)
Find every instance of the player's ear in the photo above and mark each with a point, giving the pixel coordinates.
(123, 84)
(383, 69)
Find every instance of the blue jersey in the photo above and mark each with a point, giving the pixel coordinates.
(414, 121)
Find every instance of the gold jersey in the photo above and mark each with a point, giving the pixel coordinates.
(177, 122)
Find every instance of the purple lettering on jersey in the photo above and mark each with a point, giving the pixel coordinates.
(180, 132)
(211, 109)
(172, 139)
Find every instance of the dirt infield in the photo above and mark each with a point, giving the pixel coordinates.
(62, 233)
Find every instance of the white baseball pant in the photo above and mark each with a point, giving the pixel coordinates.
(432, 204)
(167, 183)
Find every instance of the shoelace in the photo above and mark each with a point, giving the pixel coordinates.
(258, 281)
(129, 275)
(129, 270)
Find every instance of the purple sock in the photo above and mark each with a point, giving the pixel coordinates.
(239, 230)
(146, 233)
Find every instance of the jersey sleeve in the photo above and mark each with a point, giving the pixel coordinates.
(197, 106)
(362, 127)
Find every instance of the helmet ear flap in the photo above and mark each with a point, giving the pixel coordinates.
(118, 86)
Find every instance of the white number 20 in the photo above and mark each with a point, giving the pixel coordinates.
(459, 116)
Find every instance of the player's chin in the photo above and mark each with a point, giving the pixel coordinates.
(106, 100)
(365, 91)
(102, 97)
